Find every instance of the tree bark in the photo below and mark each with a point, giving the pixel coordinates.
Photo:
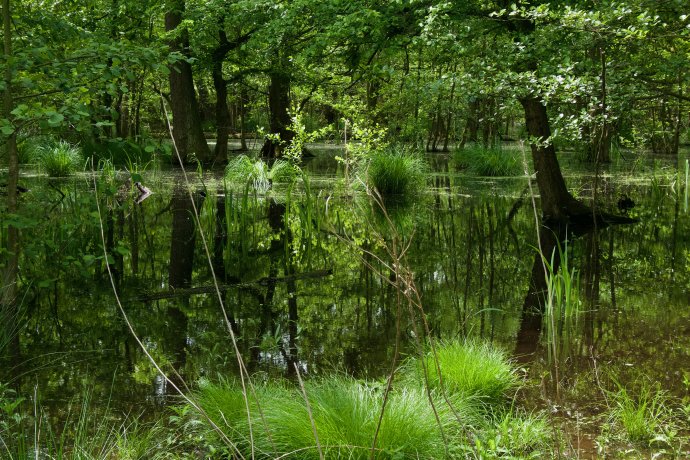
(187, 130)
(556, 202)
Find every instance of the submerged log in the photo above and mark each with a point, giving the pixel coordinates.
(207, 289)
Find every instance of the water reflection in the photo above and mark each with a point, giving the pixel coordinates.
(298, 273)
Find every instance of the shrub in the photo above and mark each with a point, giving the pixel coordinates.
(494, 162)
(59, 159)
(123, 151)
(396, 173)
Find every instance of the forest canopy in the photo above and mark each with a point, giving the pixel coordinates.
(434, 74)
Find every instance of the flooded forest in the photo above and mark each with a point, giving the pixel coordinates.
(323, 229)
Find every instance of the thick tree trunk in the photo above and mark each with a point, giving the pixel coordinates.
(279, 117)
(556, 202)
(187, 130)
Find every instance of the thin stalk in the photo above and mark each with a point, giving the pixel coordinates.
(311, 415)
(687, 171)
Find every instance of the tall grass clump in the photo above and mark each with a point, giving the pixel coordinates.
(396, 173)
(469, 368)
(469, 419)
(59, 159)
(244, 171)
(489, 161)
(344, 412)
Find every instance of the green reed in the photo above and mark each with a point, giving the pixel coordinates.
(562, 303)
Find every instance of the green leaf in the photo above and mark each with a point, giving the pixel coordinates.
(55, 119)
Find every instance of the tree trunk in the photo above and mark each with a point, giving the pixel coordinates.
(9, 313)
(187, 130)
(556, 202)
(222, 113)
(279, 117)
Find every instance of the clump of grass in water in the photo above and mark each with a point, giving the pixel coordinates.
(396, 174)
(59, 159)
(472, 369)
(489, 161)
(243, 171)
(643, 418)
(345, 414)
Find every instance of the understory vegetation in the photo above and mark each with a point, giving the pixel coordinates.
(347, 201)
(490, 161)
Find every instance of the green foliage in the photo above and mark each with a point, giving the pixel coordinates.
(489, 161)
(294, 150)
(471, 368)
(512, 434)
(244, 171)
(121, 152)
(642, 418)
(59, 159)
(395, 173)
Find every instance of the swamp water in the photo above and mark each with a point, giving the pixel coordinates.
(306, 280)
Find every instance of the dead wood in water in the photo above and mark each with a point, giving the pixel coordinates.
(265, 281)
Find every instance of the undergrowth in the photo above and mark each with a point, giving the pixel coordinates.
(489, 161)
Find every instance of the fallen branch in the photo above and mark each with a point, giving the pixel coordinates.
(265, 281)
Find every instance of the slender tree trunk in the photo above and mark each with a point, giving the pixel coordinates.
(187, 130)
(243, 111)
(8, 289)
(222, 113)
(10, 276)
(279, 117)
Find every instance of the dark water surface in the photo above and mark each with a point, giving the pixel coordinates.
(306, 280)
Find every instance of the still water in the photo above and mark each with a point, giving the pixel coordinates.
(306, 277)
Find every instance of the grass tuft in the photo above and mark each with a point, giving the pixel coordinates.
(493, 162)
(244, 171)
(345, 413)
(396, 173)
(472, 369)
(641, 418)
(59, 159)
